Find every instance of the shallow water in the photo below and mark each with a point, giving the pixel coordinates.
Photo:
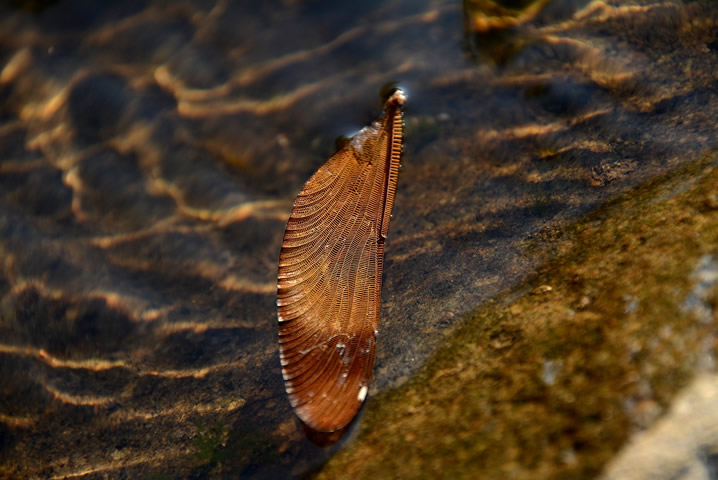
(150, 153)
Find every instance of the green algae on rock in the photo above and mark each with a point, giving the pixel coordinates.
(550, 385)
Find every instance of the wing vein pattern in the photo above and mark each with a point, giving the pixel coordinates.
(330, 267)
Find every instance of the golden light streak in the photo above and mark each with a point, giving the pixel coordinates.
(97, 364)
(18, 422)
(142, 457)
(80, 400)
(16, 66)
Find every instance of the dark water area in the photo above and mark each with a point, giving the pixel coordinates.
(150, 153)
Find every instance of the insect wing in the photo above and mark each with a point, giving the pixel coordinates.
(329, 282)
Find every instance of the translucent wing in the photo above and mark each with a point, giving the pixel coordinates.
(330, 267)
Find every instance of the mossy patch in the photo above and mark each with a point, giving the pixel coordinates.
(218, 448)
(550, 380)
(210, 443)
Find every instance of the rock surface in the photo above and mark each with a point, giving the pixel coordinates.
(683, 445)
(551, 379)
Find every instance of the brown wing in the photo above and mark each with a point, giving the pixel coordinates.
(330, 276)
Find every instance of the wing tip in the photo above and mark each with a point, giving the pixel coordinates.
(318, 420)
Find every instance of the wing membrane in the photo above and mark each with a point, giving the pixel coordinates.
(329, 280)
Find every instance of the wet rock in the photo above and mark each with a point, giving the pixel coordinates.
(198, 68)
(40, 191)
(67, 328)
(113, 191)
(149, 40)
(530, 382)
(98, 106)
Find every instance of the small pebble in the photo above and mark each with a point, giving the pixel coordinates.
(711, 201)
(583, 302)
(541, 289)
